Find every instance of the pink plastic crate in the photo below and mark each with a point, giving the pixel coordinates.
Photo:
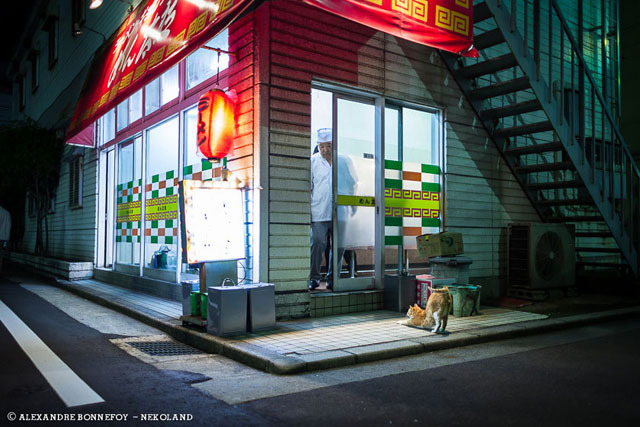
(424, 284)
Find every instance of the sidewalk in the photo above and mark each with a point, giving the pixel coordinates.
(327, 342)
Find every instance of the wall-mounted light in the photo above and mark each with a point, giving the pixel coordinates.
(97, 3)
(78, 30)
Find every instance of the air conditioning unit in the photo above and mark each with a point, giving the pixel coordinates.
(541, 256)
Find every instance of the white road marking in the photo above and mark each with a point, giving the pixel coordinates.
(70, 387)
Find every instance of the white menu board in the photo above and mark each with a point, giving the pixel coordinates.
(213, 221)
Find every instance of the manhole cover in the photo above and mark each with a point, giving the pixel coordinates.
(163, 348)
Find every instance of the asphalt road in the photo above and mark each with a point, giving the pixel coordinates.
(593, 382)
(127, 385)
(577, 377)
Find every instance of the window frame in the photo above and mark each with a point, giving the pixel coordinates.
(22, 91)
(52, 27)
(34, 59)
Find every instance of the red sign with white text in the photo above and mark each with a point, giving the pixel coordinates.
(155, 36)
(443, 24)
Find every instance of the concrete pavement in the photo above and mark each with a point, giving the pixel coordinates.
(321, 343)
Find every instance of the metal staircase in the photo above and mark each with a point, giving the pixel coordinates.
(550, 118)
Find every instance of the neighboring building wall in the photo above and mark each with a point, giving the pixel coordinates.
(482, 196)
(71, 230)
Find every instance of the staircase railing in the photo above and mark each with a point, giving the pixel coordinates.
(559, 59)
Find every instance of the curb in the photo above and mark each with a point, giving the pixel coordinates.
(275, 363)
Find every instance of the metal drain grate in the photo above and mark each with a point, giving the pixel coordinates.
(163, 348)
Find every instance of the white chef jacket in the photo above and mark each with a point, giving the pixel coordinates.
(321, 178)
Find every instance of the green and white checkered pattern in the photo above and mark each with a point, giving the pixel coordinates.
(202, 171)
(128, 192)
(165, 230)
(415, 177)
(128, 231)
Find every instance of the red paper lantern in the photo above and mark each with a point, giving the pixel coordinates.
(216, 122)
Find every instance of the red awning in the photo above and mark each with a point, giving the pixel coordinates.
(160, 33)
(155, 36)
(83, 138)
(443, 24)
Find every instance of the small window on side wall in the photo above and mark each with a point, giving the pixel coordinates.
(22, 91)
(78, 16)
(75, 182)
(34, 59)
(51, 27)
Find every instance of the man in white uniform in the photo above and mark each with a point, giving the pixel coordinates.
(321, 199)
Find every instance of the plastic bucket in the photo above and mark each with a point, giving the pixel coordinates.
(466, 299)
(195, 303)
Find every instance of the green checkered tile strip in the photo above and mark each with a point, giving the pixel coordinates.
(202, 171)
(415, 177)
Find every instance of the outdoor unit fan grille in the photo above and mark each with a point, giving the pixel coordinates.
(541, 255)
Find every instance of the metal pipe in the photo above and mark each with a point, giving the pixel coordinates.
(551, 53)
(581, 68)
(536, 36)
(561, 75)
(603, 50)
(618, 58)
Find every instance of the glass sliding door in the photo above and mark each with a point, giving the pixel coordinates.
(128, 203)
(412, 183)
(354, 189)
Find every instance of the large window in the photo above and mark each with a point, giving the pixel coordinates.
(129, 110)
(206, 63)
(107, 127)
(161, 91)
(161, 207)
(128, 202)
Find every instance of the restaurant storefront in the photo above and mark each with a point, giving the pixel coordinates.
(293, 67)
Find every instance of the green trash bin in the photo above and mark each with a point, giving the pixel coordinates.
(466, 300)
(195, 303)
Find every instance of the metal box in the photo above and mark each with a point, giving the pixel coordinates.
(227, 310)
(218, 271)
(261, 307)
(188, 286)
(399, 292)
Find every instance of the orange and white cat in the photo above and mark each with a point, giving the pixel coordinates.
(436, 314)
(438, 308)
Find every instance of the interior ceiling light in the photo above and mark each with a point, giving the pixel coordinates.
(95, 4)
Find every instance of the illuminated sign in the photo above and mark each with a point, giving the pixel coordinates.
(213, 221)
